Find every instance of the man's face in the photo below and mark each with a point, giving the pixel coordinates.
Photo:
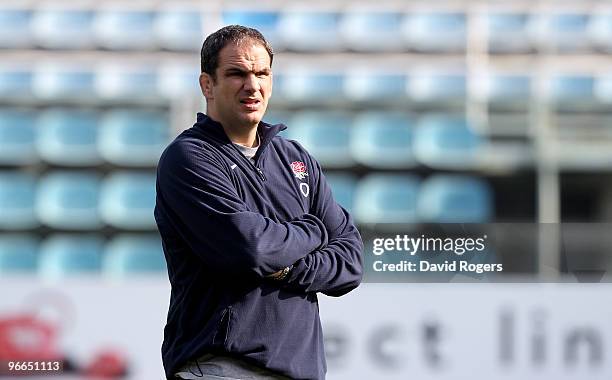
(239, 96)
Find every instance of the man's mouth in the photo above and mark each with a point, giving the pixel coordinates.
(251, 103)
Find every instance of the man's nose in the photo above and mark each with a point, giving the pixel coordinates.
(251, 83)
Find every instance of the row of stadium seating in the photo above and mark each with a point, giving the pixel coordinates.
(359, 30)
(79, 137)
(77, 200)
(388, 140)
(385, 140)
(125, 82)
(65, 254)
(125, 200)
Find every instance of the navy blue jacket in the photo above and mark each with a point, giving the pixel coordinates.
(226, 224)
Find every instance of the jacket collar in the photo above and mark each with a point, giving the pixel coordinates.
(213, 128)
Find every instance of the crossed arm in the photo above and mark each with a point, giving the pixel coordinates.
(323, 246)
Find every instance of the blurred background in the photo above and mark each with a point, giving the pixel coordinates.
(493, 113)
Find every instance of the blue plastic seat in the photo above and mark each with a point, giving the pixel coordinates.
(17, 195)
(508, 33)
(600, 31)
(437, 88)
(15, 28)
(570, 92)
(386, 198)
(435, 32)
(55, 28)
(15, 83)
(343, 188)
(455, 199)
(132, 137)
(311, 87)
(180, 30)
(310, 31)
(375, 86)
(508, 90)
(326, 135)
(563, 32)
(18, 254)
(68, 137)
(127, 255)
(127, 200)
(63, 82)
(68, 255)
(125, 29)
(69, 200)
(603, 88)
(383, 140)
(446, 141)
(264, 21)
(17, 136)
(178, 81)
(374, 31)
(124, 82)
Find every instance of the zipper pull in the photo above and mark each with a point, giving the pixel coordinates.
(261, 173)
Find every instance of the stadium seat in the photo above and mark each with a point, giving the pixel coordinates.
(507, 33)
(133, 137)
(600, 31)
(266, 22)
(603, 88)
(17, 136)
(15, 28)
(178, 81)
(126, 82)
(55, 28)
(562, 32)
(374, 31)
(437, 88)
(126, 255)
(58, 82)
(386, 198)
(310, 31)
(17, 195)
(68, 137)
(383, 140)
(326, 135)
(15, 82)
(435, 32)
(571, 92)
(18, 254)
(127, 200)
(67, 255)
(446, 142)
(306, 87)
(179, 29)
(455, 199)
(125, 29)
(375, 86)
(506, 90)
(69, 200)
(343, 187)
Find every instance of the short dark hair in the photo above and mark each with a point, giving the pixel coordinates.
(209, 56)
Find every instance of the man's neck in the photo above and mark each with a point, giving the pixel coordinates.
(243, 135)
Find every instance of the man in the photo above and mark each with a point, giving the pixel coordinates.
(250, 231)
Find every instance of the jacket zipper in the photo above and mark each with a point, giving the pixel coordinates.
(260, 172)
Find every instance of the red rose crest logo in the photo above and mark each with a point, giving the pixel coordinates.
(299, 169)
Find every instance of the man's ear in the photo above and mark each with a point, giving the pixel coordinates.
(206, 84)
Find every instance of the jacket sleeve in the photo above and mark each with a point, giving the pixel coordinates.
(337, 268)
(196, 196)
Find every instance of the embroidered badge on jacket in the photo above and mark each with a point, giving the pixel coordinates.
(299, 169)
